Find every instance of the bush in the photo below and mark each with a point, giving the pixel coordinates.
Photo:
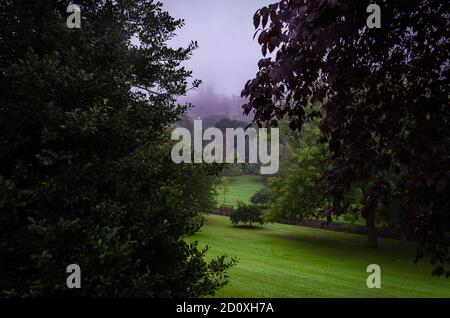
(261, 197)
(247, 214)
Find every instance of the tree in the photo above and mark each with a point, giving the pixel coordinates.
(225, 184)
(297, 191)
(247, 214)
(85, 170)
(387, 106)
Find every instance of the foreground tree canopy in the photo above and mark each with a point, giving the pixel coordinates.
(385, 96)
(85, 170)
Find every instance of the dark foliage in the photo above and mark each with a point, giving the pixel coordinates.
(386, 101)
(247, 214)
(85, 170)
(261, 197)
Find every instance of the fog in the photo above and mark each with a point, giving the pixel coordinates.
(227, 56)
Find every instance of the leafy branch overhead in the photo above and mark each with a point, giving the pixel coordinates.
(385, 96)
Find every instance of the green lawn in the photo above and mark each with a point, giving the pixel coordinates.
(241, 188)
(288, 261)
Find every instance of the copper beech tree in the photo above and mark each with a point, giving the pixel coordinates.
(384, 96)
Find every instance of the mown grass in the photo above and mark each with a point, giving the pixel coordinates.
(280, 260)
(241, 188)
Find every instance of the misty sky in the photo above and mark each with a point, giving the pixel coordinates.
(227, 56)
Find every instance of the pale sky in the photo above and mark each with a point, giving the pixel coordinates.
(227, 56)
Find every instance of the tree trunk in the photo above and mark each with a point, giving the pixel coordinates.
(372, 239)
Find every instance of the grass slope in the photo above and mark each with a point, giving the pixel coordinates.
(288, 261)
(241, 188)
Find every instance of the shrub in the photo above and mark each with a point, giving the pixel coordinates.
(247, 214)
(261, 197)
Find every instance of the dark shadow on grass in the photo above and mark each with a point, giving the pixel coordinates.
(350, 249)
(248, 227)
(324, 241)
(349, 244)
